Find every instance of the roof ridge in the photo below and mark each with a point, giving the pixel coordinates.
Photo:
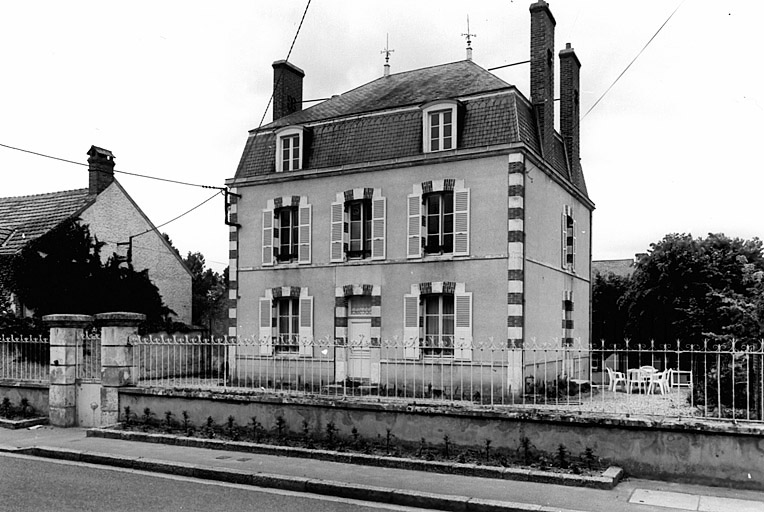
(48, 194)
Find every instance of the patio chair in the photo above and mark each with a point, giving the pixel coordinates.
(659, 380)
(637, 377)
(614, 378)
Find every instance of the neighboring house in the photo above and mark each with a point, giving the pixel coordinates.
(622, 268)
(113, 217)
(438, 206)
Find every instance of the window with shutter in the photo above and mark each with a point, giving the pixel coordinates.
(463, 330)
(304, 234)
(568, 241)
(306, 326)
(411, 326)
(337, 249)
(267, 237)
(266, 330)
(414, 242)
(378, 227)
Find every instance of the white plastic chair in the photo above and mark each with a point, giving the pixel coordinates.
(614, 378)
(659, 380)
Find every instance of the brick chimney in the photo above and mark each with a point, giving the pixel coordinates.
(542, 72)
(287, 89)
(570, 67)
(100, 169)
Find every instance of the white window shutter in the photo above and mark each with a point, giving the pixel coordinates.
(463, 327)
(266, 329)
(411, 326)
(573, 265)
(306, 326)
(462, 222)
(378, 227)
(414, 241)
(267, 238)
(337, 251)
(304, 252)
(564, 247)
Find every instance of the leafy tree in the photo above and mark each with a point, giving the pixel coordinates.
(209, 292)
(691, 289)
(62, 272)
(609, 313)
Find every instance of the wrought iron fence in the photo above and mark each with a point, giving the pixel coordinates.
(721, 381)
(88, 356)
(24, 358)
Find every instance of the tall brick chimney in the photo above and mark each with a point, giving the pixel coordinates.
(287, 89)
(570, 67)
(542, 72)
(100, 169)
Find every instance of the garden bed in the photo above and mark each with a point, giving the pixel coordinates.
(21, 416)
(524, 463)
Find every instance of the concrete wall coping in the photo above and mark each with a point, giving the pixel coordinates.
(67, 320)
(120, 319)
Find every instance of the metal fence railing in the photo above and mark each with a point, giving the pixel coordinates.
(88, 356)
(721, 381)
(24, 358)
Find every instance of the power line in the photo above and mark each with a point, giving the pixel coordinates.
(632, 61)
(289, 53)
(156, 228)
(115, 170)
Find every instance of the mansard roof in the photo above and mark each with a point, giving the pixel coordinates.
(376, 121)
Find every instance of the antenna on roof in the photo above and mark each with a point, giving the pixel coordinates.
(469, 40)
(387, 51)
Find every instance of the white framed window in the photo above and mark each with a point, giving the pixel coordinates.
(289, 148)
(438, 219)
(439, 126)
(286, 322)
(286, 234)
(568, 239)
(358, 225)
(438, 323)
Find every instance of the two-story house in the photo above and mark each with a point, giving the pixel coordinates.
(431, 216)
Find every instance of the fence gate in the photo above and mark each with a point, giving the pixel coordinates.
(88, 381)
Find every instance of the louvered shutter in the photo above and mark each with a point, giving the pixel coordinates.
(378, 227)
(304, 234)
(266, 329)
(462, 222)
(267, 238)
(573, 265)
(463, 327)
(411, 326)
(564, 238)
(337, 250)
(306, 326)
(414, 241)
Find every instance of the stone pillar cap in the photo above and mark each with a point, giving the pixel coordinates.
(67, 320)
(120, 319)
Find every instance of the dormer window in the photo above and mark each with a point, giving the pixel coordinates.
(289, 149)
(439, 126)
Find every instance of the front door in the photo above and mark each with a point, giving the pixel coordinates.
(359, 341)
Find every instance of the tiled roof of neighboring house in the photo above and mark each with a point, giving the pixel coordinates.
(622, 268)
(24, 218)
(503, 117)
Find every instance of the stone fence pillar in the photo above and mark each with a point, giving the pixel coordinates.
(66, 333)
(117, 368)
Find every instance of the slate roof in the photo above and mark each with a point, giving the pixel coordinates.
(24, 218)
(353, 138)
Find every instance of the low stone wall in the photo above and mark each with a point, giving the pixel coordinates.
(36, 393)
(701, 452)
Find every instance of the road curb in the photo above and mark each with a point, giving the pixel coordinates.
(298, 484)
(606, 481)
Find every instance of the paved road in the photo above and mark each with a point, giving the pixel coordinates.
(29, 484)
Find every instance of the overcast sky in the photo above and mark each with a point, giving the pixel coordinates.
(172, 87)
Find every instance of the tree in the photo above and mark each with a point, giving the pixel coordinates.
(209, 292)
(609, 313)
(62, 272)
(691, 289)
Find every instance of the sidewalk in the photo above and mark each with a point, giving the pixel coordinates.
(403, 487)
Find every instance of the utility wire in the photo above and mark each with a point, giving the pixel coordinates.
(632, 61)
(156, 228)
(289, 53)
(115, 170)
